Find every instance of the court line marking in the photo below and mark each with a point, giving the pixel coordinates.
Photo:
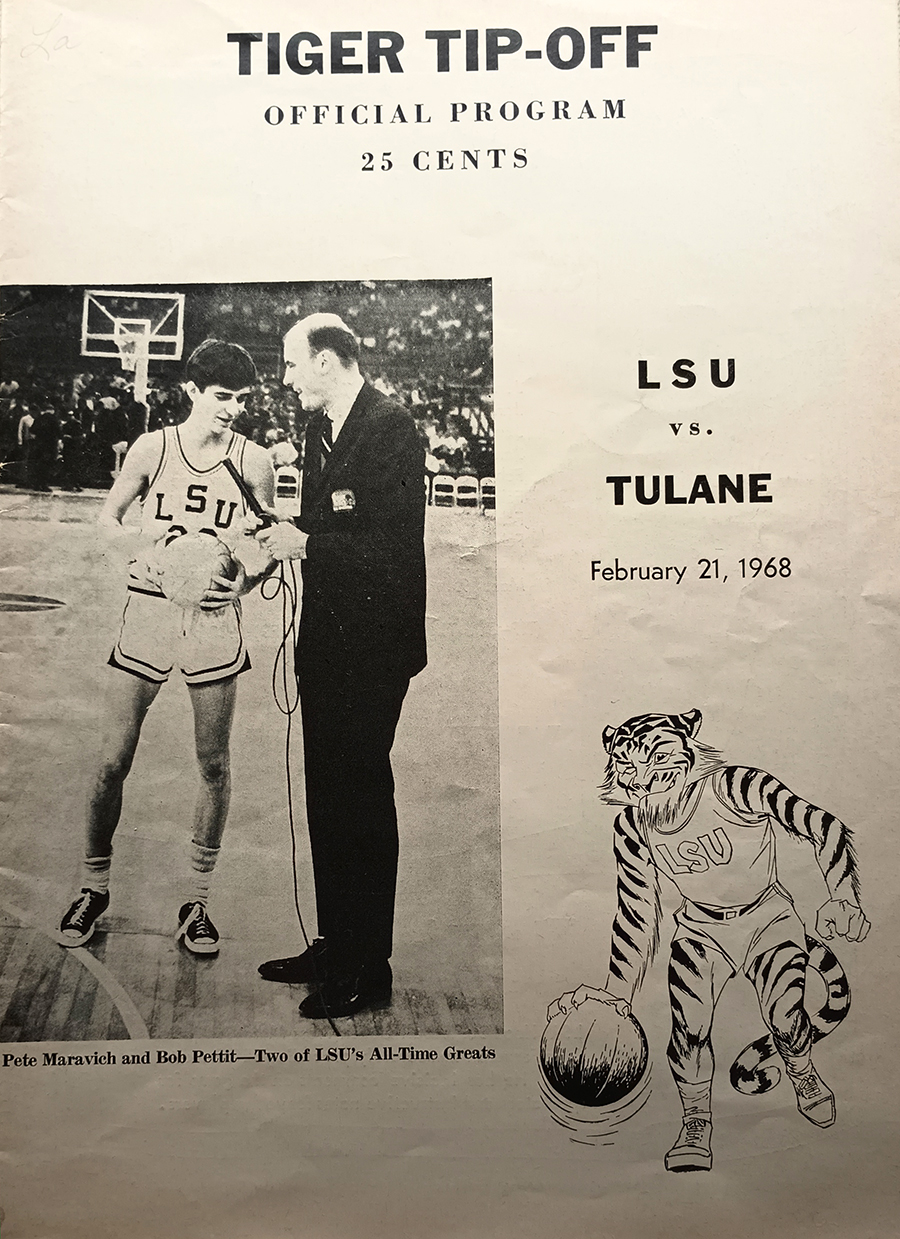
(36, 599)
(132, 1019)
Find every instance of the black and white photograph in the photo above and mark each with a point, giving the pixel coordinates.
(249, 603)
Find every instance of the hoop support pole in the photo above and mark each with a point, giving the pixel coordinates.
(141, 368)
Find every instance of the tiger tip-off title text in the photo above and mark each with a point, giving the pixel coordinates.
(472, 51)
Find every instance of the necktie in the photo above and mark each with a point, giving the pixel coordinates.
(326, 442)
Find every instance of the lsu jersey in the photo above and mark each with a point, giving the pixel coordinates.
(183, 499)
(719, 855)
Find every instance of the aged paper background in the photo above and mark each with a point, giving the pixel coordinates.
(744, 207)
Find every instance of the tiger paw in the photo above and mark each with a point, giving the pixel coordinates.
(815, 1100)
(691, 1151)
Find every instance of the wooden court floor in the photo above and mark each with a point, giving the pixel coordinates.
(148, 986)
(133, 980)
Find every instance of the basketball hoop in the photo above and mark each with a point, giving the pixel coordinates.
(136, 327)
(128, 351)
(131, 341)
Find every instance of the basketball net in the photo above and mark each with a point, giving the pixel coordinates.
(132, 346)
(134, 357)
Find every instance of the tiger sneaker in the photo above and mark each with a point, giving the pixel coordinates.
(196, 930)
(691, 1151)
(77, 926)
(815, 1100)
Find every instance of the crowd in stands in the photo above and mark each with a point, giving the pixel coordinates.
(72, 433)
(64, 432)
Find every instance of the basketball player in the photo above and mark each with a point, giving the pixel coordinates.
(178, 476)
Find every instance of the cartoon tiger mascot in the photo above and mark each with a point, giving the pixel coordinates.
(710, 828)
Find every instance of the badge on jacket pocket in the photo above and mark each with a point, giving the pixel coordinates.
(343, 501)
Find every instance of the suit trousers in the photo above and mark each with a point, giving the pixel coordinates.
(348, 731)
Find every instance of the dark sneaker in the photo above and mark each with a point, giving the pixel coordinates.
(815, 1100)
(691, 1151)
(306, 969)
(77, 925)
(197, 930)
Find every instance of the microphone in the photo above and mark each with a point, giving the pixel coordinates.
(249, 498)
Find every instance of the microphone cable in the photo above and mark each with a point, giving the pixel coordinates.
(290, 693)
(286, 692)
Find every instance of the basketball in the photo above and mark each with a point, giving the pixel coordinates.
(188, 564)
(592, 1056)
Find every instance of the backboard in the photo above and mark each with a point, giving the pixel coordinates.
(158, 318)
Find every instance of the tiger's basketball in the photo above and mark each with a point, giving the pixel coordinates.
(593, 1056)
(188, 564)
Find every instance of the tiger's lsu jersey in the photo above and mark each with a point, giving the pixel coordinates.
(720, 854)
(183, 499)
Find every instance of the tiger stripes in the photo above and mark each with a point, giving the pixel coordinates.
(635, 931)
(754, 791)
(744, 790)
(697, 975)
(756, 1070)
(637, 729)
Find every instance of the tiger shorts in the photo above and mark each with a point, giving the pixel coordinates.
(207, 646)
(773, 922)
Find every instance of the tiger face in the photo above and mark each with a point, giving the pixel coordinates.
(651, 755)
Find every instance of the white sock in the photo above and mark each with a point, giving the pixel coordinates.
(95, 873)
(203, 861)
(696, 1098)
(797, 1064)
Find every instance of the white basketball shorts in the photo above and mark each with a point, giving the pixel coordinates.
(157, 635)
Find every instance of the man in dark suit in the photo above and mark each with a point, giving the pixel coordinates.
(360, 535)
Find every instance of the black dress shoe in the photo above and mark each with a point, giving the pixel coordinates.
(339, 997)
(306, 969)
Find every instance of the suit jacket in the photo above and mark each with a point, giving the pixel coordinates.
(363, 614)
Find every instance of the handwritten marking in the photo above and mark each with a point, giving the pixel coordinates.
(44, 35)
